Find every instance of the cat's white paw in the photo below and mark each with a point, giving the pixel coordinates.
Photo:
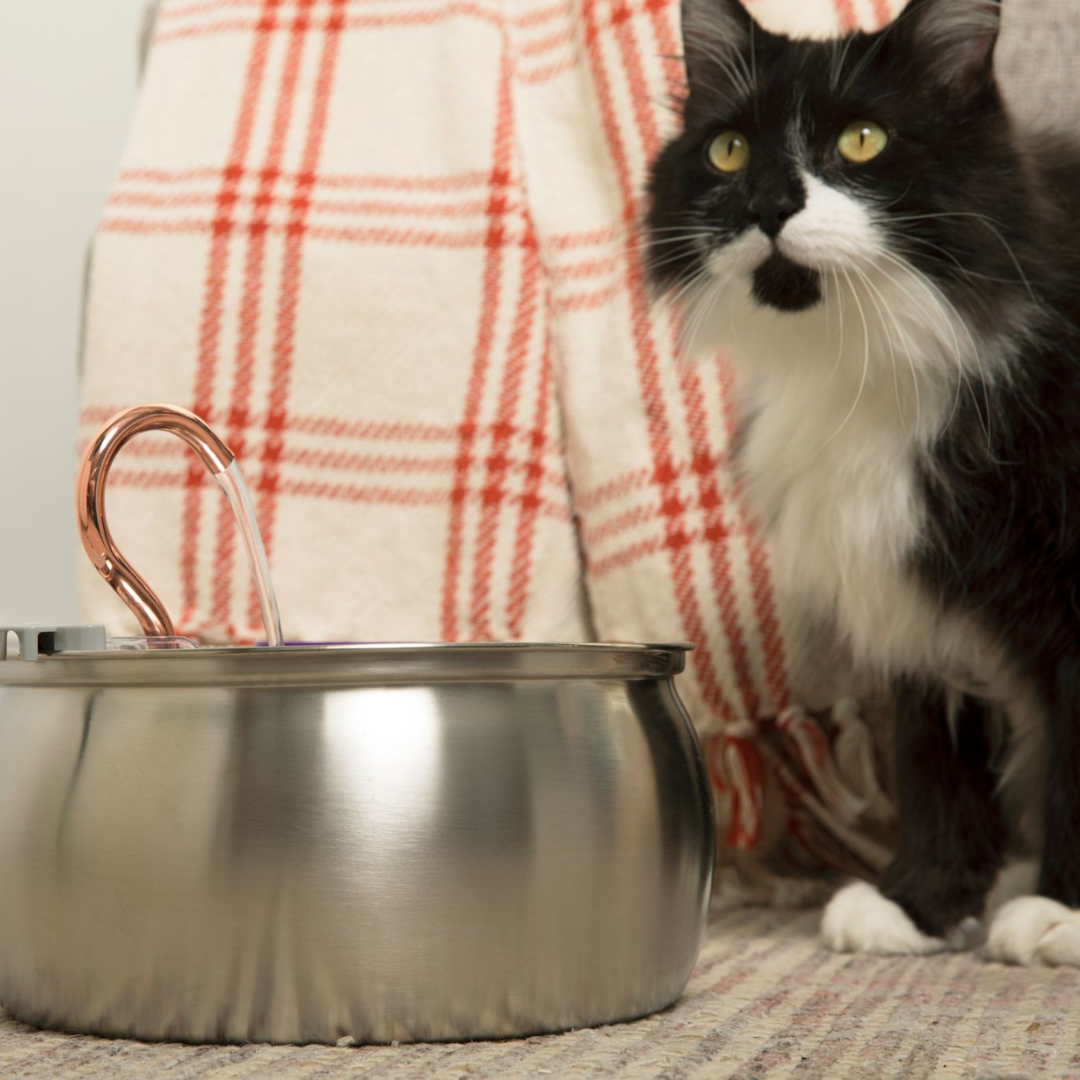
(1035, 930)
(859, 919)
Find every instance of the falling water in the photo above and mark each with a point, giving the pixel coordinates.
(236, 491)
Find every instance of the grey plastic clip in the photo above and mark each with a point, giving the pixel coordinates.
(41, 639)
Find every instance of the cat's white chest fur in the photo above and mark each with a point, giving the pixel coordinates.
(840, 404)
(836, 491)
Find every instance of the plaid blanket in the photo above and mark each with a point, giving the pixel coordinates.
(388, 249)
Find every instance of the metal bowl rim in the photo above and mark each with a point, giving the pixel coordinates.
(361, 664)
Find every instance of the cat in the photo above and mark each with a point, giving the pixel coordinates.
(892, 267)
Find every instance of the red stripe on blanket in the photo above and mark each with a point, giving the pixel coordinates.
(845, 12)
(154, 479)
(557, 511)
(495, 465)
(717, 540)
(676, 540)
(237, 418)
(363, 236)
(539, 16)
(589, 268)
(588, 238)
(639, 515)
(558, 39)
(172, 12)
(669, 47)
(210, 318)
(353, 22)
(376, 181)
(380, 463)
(481, 358)
(714, 533)
(761, 585)
(705, 465)
(165, 448)
(617, 488)
(388, 431)
(642, 549)
(285, 330)
(548, 72)
(264, 200)
(633, 518)
(361, 430)
(521, 566)
(587, 301)
(417, 15)
(409, 237)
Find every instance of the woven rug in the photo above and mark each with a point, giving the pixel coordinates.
(764, 1001)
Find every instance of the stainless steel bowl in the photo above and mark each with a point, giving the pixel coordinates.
(384, 842)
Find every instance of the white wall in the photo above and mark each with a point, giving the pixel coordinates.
(67, 84)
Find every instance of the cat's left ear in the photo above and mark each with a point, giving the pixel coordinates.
(956, 39)
(713, 31)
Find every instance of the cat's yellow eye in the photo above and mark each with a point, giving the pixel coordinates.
(862, 141)
(729, 152)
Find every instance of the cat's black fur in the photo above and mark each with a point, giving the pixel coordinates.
(1002, 480)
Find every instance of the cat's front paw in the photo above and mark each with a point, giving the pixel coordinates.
(1035, 930)
(859, 919)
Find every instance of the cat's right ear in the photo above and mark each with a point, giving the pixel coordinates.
(714, 32)
(957, 38)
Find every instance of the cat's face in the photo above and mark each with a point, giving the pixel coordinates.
(805, 164)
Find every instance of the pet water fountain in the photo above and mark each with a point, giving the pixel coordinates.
(307, 843)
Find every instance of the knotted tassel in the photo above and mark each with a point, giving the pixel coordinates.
(811, 749)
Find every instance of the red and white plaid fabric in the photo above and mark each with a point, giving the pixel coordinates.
(388, 249)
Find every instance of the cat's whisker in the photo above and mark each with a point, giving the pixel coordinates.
(840, 351)
(689, 323)
(939, 315)
(839, 293)
(883, 307)
(865, 60)
(946, 308)
(672, 235)
(981, 368)
(878, 301)
(693, 276)
(839, 51)
(717, 290)
(678, 236)
(668, 260)
(682, 237)
(675, 107)
(990, 224)
(866, 361)
(725, 58)
(691, 310)
(753, 72)
(905, 346)
(971, 274)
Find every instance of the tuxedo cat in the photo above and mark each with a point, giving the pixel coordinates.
(893, 269)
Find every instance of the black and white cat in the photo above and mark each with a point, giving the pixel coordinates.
(894, 271)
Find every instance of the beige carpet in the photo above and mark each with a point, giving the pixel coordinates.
(764, 1001)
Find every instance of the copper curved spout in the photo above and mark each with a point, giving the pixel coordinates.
(90, 500)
